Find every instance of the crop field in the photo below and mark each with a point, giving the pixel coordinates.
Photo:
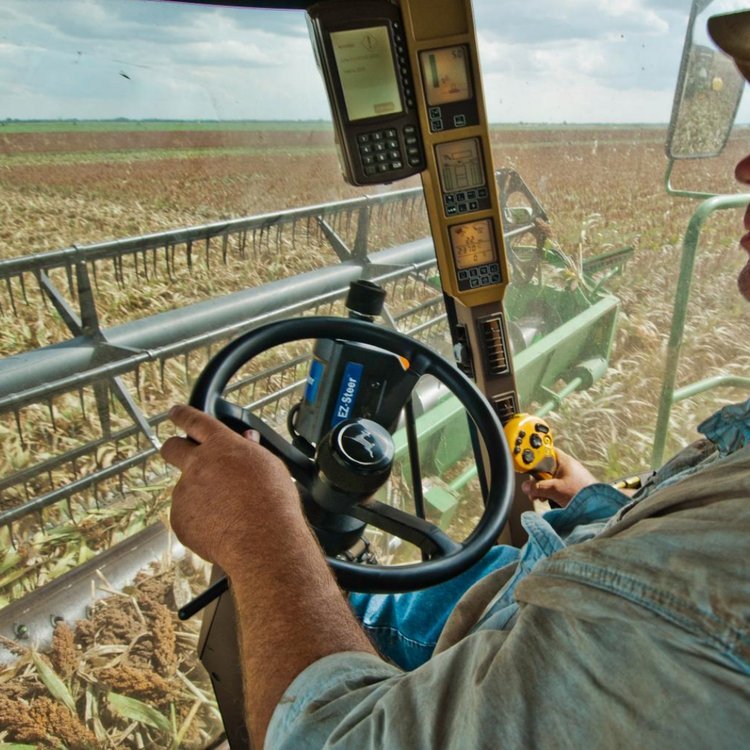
(129, 670)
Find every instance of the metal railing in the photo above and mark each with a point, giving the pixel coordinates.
(83, 416)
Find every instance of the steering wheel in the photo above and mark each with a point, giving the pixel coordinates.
(446, 558)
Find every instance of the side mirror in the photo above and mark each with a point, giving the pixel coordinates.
(708, 93)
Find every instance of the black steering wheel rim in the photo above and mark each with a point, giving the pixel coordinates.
(208, 390)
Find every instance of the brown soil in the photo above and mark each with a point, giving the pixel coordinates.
(66, 142)
(71, 141)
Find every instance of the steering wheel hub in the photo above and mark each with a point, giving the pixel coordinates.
(364, 444)
(354, 460)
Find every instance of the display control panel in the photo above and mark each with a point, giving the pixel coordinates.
(362, 54)
(406, 95)
(448, 87)
(475, 254)
(384, 152)
(462, 176)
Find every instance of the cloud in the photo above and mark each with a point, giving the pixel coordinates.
(534, 22)
(180, 61)
(574, 60)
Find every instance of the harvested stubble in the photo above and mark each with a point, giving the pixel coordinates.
(601, 189)
(127, 676)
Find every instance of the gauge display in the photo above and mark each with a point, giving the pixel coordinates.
(364, 59)
(473, 244)
(460, 165)
(446, 75)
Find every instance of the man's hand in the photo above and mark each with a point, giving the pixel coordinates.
(236, 506)
(571, 477)
(228, 482)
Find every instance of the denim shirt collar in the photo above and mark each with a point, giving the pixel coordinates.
(729, 428)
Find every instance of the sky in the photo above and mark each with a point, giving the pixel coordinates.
(542, 60)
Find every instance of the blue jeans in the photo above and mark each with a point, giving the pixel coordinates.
(406, 627)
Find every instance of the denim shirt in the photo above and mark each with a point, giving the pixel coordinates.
(626, 614)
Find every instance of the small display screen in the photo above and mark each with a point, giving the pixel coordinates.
(473, 244)
(364, 60)
(446, 75)
(460, 165)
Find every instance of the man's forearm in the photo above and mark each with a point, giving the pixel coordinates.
(290, 613)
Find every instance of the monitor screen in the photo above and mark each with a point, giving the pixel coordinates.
(473, 244)
(460, 165)
(364, 60)
(446, 75)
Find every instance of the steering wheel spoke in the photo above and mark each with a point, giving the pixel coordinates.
(432, 540)
(241, 419)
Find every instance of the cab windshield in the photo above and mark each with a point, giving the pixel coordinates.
(158, 157)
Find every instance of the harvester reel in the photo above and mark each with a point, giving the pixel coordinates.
(445, 557)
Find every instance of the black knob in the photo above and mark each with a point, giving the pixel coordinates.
(365, 299)
(356, 457)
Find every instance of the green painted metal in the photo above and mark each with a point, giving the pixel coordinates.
(442, 503)
(679, 313)
(453, 446)
(443, 436)
(430, 425)
(583, 334)
(463, 478)
(557, 398)
(576, 351)
(707, 384)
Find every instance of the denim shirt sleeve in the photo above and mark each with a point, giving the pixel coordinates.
(582, 519)
(561, 677)
(355, 678)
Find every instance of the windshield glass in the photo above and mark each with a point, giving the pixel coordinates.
(157, 157)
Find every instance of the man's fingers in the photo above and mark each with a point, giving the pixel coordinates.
(537, 489)
(176, 451)
(196, 424)
(544, 489)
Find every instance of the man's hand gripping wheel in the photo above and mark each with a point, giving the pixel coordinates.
(323, 480)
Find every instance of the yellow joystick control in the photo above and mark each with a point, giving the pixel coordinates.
(530, 442)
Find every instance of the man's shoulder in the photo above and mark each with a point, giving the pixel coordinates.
(716, 486)
(678, 556)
